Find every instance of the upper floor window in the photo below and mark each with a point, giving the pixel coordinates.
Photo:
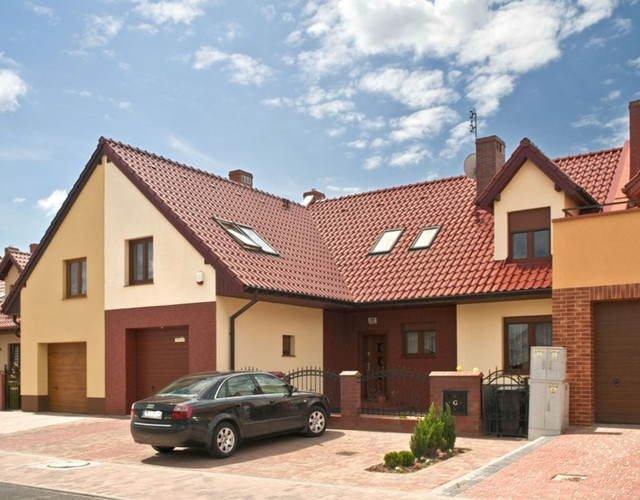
(141, 261)
(530, 234)
(520, 335)
(419, 340)
(246, 237)
(425, 238)
(76, 271)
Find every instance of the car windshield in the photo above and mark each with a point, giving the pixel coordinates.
(187, 387)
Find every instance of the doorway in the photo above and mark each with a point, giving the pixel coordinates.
(374, 359)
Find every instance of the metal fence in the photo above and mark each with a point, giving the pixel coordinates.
(395, 392)
(505, 404)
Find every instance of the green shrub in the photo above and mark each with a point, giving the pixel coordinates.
(399, 459)
(436, 430)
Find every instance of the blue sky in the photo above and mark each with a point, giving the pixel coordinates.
(338, 95)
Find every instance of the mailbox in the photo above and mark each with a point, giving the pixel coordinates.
(457, 401)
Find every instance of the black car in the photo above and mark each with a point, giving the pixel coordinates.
(217, 410)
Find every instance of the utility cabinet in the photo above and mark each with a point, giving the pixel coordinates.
(548, 392)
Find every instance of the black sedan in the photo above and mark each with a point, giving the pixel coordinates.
(216, 411)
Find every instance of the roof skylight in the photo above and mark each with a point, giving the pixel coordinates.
(425, 238)
(387, 241)
(246, 237)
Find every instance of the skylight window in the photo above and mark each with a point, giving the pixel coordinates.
(387, 241)
(425, 238)
(246, 237)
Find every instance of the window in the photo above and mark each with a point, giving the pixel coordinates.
(425, 238)
(141, 261)
(246, 237)
(270, 384)
(530, 235)
(387, 241)
(419, 340)
(242, 385)
(520, 335)
(76, 270)
(288, 345)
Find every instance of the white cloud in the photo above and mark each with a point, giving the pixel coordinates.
(357, 144)
(17, 200)
(415, 89)
(411, 156)
(635, 63)
(7, 61)
(422, 123)
(373, 162)
(379, 142)
(42, 11)
(12, 87)
(174, 12)
(146, 28)
(269, 12)
(243, 68)
(52, 204)
(184, 147)
(612, 96)
(99, 30)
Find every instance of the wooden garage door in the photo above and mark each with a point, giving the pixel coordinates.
(162, 355)
(617, 362)
(68, 377)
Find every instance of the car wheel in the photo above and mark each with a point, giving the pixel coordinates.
(316, 422)
(224, 440)
(163, 449)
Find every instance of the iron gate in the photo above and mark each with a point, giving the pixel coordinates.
(505, 404)
(318, 380)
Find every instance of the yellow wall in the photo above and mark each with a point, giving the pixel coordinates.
(530, 188)
(259, 332)
(481, 330)
(49, 317)
(11, 278)
(129, 215)
(595, 250)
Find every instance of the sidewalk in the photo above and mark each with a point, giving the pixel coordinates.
(96, 456)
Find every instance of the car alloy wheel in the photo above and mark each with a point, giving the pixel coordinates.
(225, 440)
(317, 422)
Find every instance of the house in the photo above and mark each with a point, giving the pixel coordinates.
(152, 269)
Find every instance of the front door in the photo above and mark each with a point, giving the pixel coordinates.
(374, 360)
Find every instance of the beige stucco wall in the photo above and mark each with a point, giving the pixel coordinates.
(481, 330)
(596, 250)
(259, 332)
(129, 215)
(49, 317)
(11, 278)
(530, 188)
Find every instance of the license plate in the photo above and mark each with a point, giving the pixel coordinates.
(152, 414)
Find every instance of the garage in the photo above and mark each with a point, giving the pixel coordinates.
(617, 357)
(162, 355)
(67, 375)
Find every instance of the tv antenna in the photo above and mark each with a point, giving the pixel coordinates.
(473, 122)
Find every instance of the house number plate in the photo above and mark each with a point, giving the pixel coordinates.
(152, 414)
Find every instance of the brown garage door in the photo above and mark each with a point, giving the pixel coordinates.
(68, 377)
(617, 358)
(162, 355)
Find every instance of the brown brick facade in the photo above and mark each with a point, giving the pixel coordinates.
(573, 328)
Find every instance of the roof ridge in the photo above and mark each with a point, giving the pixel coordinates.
(393, 188)
(196, 169)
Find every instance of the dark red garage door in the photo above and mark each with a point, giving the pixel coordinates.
(162, 355)
(617, 362)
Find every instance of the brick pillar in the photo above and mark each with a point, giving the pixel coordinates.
(469, 425)
(350, 394)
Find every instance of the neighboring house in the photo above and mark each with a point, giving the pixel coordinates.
(152, 269)
(11, 266)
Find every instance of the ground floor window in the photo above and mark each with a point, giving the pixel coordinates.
(520, 334)
(419, 340)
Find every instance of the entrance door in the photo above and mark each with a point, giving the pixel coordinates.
(617, 357)
(68, 377)
(374, 360)
(162, 355)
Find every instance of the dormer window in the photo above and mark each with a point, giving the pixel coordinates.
(246, 237)
(530, 235)
(425, 238)
(386, 242)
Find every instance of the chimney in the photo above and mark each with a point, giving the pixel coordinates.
(312, 196)
(242, 177)
(634, 138)
(32, 248)
(489, 159)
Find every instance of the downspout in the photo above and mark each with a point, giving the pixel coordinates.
(232, 331)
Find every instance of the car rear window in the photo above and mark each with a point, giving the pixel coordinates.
(188, 387)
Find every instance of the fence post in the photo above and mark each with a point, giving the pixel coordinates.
(2, 391)
(469, 425)
(350, 394)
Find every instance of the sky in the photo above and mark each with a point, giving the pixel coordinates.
(342, 96)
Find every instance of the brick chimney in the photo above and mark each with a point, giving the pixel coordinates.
(242, 177)
(489, 159)
(634, 137)
(33, 247)
(312, 196)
